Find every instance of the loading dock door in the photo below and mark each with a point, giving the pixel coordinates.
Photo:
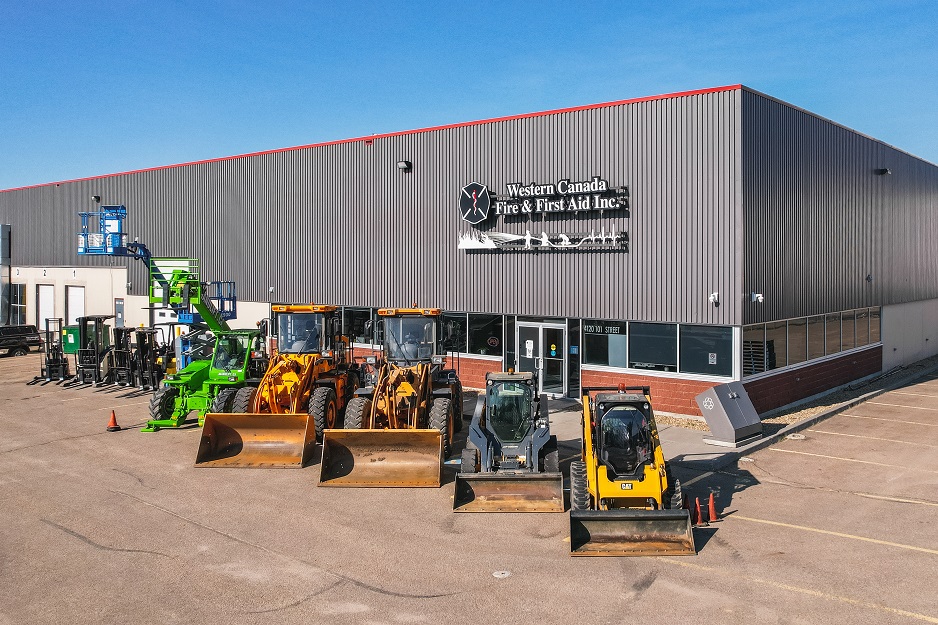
(74, 303)
(45, 304)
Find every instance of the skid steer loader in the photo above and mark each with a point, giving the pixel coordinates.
(623, 499)
(308, 383)
(512, 462)
(398, 428)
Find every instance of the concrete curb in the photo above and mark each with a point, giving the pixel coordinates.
(733, 456)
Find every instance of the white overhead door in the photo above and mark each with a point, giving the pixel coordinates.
(75, 304)
(45, 304)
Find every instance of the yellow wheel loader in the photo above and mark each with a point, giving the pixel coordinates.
(308, 383)
(623, 499)
(511, 463)
(399, 427)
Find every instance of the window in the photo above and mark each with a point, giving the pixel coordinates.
(18, 304)
(863, 327)
(847, 334)
(605, 343)
(776, 344)
(797, 340)
(874, 324)
(707, 350)
(453, 332)
(816, 337)
(485, 334)
(353, 324)
(754, 349)
(653, 346)
(832, 324)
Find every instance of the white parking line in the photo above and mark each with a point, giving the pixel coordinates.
(830, 533)
(856, 416)
(911, 394)
(882, 403)
(879, 464)
(875, 438)
(711, 571)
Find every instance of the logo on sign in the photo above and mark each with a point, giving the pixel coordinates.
(708, 403)
(474, 203)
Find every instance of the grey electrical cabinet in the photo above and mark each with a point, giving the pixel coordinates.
(729, 412)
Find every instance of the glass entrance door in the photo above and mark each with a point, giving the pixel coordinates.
(541, 347)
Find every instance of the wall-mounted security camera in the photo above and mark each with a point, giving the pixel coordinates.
(756, 298)
(714, 298)
(95, 198)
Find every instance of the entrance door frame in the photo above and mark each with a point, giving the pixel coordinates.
(539, 359)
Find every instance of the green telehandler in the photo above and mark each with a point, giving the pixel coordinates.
(238, 359)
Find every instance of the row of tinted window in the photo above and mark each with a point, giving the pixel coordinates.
(659, 346)
(777, 344)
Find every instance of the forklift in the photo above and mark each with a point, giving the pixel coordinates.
(94, 356)
(54, 365)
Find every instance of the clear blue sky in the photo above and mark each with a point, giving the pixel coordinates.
(90, 88)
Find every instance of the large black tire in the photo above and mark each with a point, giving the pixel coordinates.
(355, 412)
(441, 415)
(162, 402)
(223, 399)
(323, 410)
(353, 382)
(243, 399)
(18, 351)
(579, 491)
(457, 407)
(470, 461)
(672, 497)
(551, 456)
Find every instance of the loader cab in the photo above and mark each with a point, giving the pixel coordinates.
(509, 409)
(301, 332)
(623, 436)
(410, 339)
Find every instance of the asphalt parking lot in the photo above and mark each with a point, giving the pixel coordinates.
(836, 527)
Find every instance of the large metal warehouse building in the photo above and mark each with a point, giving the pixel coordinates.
(679, 241)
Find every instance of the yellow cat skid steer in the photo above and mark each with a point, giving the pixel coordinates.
(623, 499)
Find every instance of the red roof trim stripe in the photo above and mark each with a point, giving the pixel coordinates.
(369, 138)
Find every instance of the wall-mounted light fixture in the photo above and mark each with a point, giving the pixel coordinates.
(714, 298)
(404, 165)
(95, 198)
(756, 298)
(883, 172)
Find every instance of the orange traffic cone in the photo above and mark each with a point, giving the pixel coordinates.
(712, 509)
(698, 513)
(112, 424)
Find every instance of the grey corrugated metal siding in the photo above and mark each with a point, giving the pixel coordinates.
(819, 219)
(340, 224)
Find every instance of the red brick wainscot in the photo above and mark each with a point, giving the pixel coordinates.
(789, 386)
(667, 394)
(471, 371)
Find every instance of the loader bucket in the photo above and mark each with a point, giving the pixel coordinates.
(627, 532)
(256, 440)
(499, 492)
(382, 458)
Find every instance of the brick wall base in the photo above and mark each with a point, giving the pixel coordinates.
(667, 394)
(790, 386)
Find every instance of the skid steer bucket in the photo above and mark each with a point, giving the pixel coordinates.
(631, 533)
(500, 492)
(382, 458)
(256, 440)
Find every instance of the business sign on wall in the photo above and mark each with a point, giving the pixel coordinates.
(570, 198)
